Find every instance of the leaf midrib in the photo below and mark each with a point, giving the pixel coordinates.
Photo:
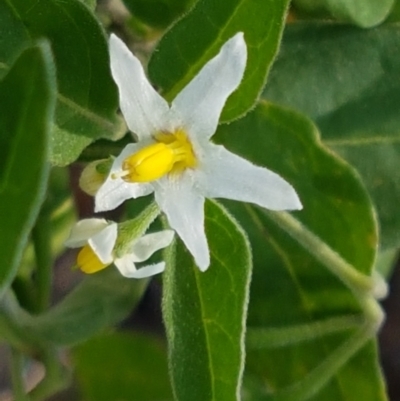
(361, 141)
(195, 67)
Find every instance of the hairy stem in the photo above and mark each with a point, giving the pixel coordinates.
(17, 376)
(275, 337)
(56, 378)
(365, 289)
(357, 282)
(318, 377)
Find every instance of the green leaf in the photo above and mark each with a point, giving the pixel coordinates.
(311, 318)
(198, 37)
(91, 4)
(386, 262)
(158, 13)
(395, 13)
(364, 13)
(318, 73)
(87, 96)
(287, 142)
(204, 313)
(27, 98)
(122, 366)
(13, 37)
(98, 302)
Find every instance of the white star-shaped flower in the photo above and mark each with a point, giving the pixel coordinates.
(174, 157)
(97, 238)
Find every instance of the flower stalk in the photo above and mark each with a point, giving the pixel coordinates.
(17, 375)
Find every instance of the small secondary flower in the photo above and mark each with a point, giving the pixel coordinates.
(98, 237)
(174, 157)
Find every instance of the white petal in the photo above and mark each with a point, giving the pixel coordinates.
(103, 242)
(83, 230)
(200, 103)
(143, 108)
(145, 246)
(114, 191)
(126, 265)
(128, 269)
(184, 208)
(226, 175)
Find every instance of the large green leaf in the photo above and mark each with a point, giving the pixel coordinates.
(204, 313)
(364, 13)
(122, 366)
(27, 98)
(395, 13)
(87, 96)
(199, 36)
(100, 301)
(313, 314)
(319, 73)
(13, 37)
(91, 4)
(158, 13)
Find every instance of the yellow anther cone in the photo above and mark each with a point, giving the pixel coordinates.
(171, 153)
(88, 261)
(150, 163)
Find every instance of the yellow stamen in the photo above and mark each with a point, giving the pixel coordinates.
(121, 174)
(172, 153)
(88, 261)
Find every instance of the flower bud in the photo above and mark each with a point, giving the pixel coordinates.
(94, 175)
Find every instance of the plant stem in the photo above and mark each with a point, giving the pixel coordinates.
(365, 289)
(17, 367)
(275, 337)
(317, 378)
(357, 282)
(56, 378)
(11, 330)
(42, 245)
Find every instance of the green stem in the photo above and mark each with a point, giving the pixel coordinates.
(17, 376)
(318, 377)
(12, 319)
(365, 289)
(357, 282)
(275, 337)
(42, 245)
(56, 378)
(12, 334)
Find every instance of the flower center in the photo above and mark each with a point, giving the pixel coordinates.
(88, 261)
(172, 153)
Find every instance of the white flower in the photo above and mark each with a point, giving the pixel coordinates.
(97, 237)
(174, 157)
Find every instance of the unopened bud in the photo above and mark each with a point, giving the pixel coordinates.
(94, 175)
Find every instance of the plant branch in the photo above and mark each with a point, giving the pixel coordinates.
(275, 337)
(56, 378)
(17, 376)
(357, 282)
